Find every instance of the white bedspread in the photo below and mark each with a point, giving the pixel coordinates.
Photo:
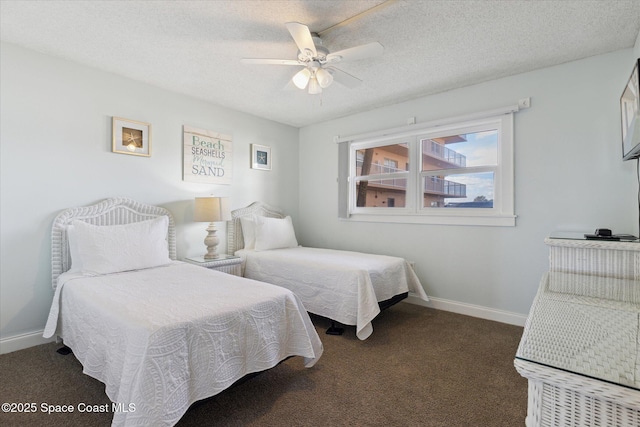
(341, 285)
(163, 338)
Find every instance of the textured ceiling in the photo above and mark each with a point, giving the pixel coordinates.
(195, 47)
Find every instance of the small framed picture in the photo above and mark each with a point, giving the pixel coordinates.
(131, 137)
(260, 157)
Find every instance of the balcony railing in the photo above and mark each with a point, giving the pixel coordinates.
(437, 185)
(395, 183)
(439, 151)
(433, 184)
(377, 169)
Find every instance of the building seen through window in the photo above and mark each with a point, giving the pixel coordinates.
(455, 172)
(449, 172)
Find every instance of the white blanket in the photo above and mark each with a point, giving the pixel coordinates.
(341, 285)
(165, 337)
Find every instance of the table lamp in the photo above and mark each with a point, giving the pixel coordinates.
(211, 209)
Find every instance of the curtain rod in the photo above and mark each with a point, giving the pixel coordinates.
(433, 123)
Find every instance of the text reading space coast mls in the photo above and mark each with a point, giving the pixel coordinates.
(66, 409)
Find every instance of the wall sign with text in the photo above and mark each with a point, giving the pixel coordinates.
(207, 156)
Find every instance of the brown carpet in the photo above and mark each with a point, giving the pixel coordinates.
(421, 367)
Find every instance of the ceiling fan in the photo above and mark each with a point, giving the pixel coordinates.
(318, 72)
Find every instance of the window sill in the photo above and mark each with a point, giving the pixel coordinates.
(481, 220)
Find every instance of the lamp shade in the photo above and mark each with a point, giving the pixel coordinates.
(301, 78)
(314, 87)
(211, 209)
(324, 77)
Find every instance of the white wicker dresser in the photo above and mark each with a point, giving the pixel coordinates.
(579, 348)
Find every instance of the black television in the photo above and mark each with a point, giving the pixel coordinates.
(630, 114)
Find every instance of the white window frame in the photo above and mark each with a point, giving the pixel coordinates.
(501, 214)
(354, 179)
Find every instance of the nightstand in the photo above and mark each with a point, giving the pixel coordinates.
(225, 263)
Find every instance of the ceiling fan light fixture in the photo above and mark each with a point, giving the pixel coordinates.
(314, 86)
(324, 77)
(313, 57)
(301, 78)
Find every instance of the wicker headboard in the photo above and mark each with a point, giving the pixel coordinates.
(114, 211)
(235, 239)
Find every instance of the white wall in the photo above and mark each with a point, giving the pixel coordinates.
(55, 152)
(569, 175)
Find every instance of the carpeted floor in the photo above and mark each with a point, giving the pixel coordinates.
(420, 367)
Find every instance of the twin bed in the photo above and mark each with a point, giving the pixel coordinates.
(348, 287)
(162, 334)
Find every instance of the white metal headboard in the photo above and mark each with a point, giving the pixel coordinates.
(114, 211)
(235, 239)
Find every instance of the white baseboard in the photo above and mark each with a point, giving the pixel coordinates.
(20, 342)
(488, 313)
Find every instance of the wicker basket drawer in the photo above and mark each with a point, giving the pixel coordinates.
(562, 399)
(608, 259)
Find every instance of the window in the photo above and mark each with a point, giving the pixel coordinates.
(459, 168)
(458, 173)
(377, 177)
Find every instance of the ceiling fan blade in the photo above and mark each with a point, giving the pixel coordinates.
(343, 78)
(302, 36)
(355, 53)
(265, 61)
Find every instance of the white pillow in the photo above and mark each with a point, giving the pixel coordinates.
(76, 264)
(104, 249)
(249, 232)
(274, 233)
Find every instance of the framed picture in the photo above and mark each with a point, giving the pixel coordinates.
(260, 157)
(131, 137)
